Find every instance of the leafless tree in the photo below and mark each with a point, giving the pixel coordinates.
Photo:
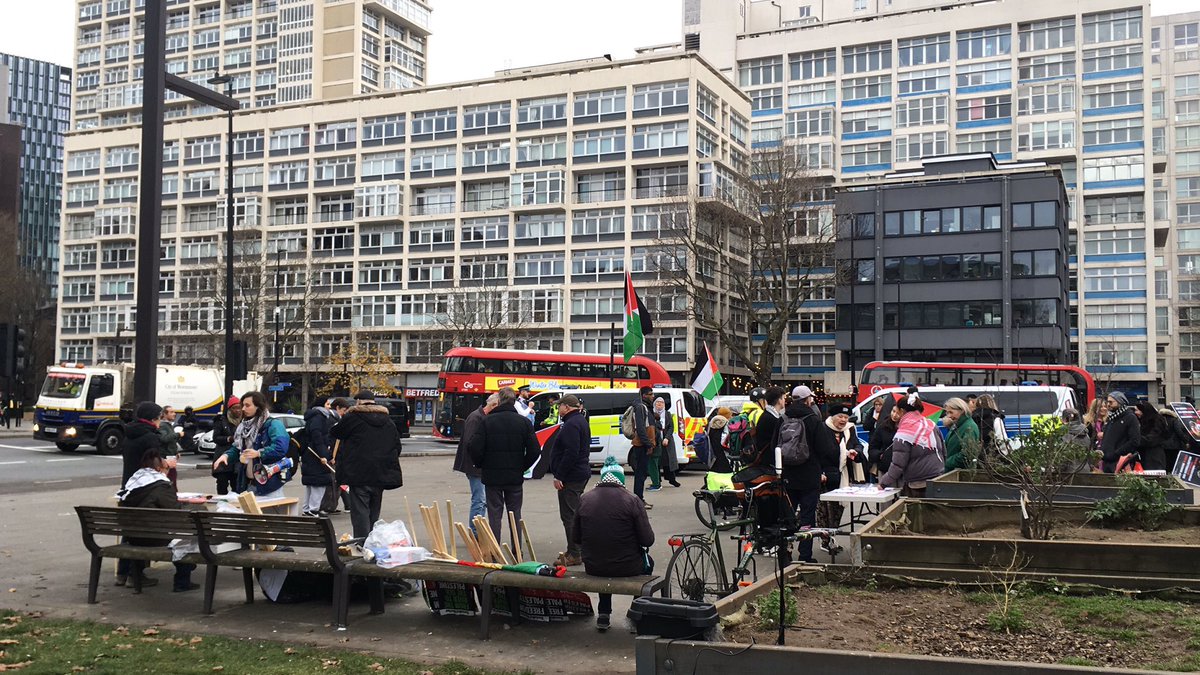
(483, 316)
(748, 250)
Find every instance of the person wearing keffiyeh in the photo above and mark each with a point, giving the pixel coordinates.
(1121, 434)
(918, 450)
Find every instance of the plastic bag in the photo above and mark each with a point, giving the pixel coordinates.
(390, 545)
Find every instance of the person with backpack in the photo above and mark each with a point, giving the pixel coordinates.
(918, 451)
(642, 439)
(802, 474)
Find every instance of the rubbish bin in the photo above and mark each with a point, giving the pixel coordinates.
(673, 617)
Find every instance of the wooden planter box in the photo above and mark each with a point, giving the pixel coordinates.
(881, 550)
(1086, 488)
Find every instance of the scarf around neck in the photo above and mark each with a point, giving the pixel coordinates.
(141, 478)
(247, 431)
(917, 429)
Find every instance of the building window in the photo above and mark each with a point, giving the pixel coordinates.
(766, 99)
(599, 142)
(914, 112)
(433, 159)
(915, 146)
(542, 110)
(1115, 26)
(389, 128)
(866, 154)
(872, 86)
(605, 102)
(591, 264)
(536, 267)
(485, 229)
(493, 116)
(1114, 354)
(1044, 67)
(489, 153)
(987, 73)
(660, 98)
(1107, 132)
(292, 138)
(985, 42)
(807, 123)
(1114, 242)
(383, 165)
(598, 222)
(1104, 279)
(435, 123)
(1112, 95)
(865, 58)
(921, 81)
(1049, 34)
(984, 108)
(1046, 135)
(812, 65)
(544, 149)
(1107, 59)
(606, 186)
(818, 93)
(334, 168)
(666, 136)
(757, 72)
(336, 133)
(924, 50)
(537, 187)
(1120, 168)
(1187, 35)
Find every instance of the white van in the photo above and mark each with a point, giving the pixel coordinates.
(604, 407)
(1021, 404)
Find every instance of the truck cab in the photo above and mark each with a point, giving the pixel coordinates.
(80, 406)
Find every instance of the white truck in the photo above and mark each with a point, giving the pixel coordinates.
(81, 405)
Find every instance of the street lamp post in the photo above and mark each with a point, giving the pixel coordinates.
(216, 80)
(278, 316)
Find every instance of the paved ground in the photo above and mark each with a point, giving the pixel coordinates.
(44, 567)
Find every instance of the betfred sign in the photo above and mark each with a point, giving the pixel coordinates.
(420, 393)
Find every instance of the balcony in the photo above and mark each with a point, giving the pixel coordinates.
(489, 204)
(599, 196)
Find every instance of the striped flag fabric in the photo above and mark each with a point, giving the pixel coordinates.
(709, 381)
(638, 323)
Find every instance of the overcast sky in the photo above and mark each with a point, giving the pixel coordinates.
(471, 38)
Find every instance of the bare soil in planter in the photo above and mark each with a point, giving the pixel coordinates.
(1077, 532)
(1112, 631)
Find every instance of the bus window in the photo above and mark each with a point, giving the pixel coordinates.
(1026, 402)
(973, 378)
(693, 404)
(943, 376)
(917, 376)
(642, 373)
(880, 376)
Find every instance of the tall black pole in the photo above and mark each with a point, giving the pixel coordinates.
(229, 316)
(149, 236)
(278, 316)
(612, 359)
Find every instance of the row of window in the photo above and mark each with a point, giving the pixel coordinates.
(962, 267)
(956, 219)
(1055, 33)
(952, 314)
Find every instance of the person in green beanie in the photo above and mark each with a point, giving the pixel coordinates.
(963, 435)
(614, 532)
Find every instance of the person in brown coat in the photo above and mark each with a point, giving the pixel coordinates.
(614, 532)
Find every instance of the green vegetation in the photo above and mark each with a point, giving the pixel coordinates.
(767, 610)
(33, 644)
(1076, 661)
(1140, 503)
(1008, 620)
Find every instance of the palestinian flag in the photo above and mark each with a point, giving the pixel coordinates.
(709, 381)
(637, 322)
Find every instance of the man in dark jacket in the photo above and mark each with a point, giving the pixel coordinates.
(804, 481)
(462, 459)
(316, 474)
(613, 532)
(1121, 434)
(572, 469)
(503, 450)
(367, 458)
(642, 445)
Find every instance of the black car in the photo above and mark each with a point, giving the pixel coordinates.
(398, 411)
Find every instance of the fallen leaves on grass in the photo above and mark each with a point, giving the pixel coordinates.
(13, 666)
(150, 631)
(377, 667)
(9, 642)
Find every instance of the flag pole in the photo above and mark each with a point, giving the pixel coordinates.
(612, 360)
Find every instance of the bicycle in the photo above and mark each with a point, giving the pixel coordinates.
(697, 569)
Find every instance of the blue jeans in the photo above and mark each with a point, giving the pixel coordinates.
(478, 499)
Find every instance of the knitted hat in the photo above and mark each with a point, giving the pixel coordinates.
(233, 400)
(718, 422)
(612, 472)
(147, 410)
(1119, 398)
(839, 409)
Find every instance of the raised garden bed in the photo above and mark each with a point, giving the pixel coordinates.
(1108, 631)
(968, 535)
(1085, 487)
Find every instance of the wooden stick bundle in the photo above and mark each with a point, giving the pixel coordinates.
(450, 528)
(469, 542)
(515, 535)
(412, 526)
(528, 540)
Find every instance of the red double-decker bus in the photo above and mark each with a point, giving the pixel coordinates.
(882, 374)
(469, 375)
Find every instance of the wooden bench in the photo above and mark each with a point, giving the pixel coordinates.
(135, 523)
(487, 579)
(314, 536)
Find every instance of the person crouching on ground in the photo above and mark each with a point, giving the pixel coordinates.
(918, 452)
(571, 468)
(149, 488)
(367, 458)
(613, 532)
(260, 440)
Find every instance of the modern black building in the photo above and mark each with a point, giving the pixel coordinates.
(964, 259)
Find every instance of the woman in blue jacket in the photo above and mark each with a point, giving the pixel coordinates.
(260, 440)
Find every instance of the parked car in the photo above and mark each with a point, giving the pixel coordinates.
(204, 440)
(398, 411)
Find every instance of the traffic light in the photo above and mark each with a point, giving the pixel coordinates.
(16, 344)
(237, 360)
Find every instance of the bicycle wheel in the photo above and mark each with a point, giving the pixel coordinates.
(694, 574)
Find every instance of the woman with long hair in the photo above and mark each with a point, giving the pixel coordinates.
(1094, 419)
(993, 436)
(1154, 437)
(879, 445)
(260, 440)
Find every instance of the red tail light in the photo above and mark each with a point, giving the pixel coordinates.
(675, 542)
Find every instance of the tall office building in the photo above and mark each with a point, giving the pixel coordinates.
(36, 97)
(277, 51)
(868, 87)
(1175, 147)
(373, 216)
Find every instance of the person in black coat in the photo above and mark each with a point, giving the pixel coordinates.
(1121, 435)
(224, 427)
(1154, 436)
(879, 444)
(503, 451)
(462, 459)
(149, 488)
(804, 481)
(571, 467)
(140, 435)
(1178, 439)
(367, 458)
(316, 473)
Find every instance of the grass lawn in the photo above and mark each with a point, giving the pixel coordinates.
(32, 644)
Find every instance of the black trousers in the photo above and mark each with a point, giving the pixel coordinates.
(640, 461)
(568, 505)
(365, 503)
(501, 498)
(806, 508)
